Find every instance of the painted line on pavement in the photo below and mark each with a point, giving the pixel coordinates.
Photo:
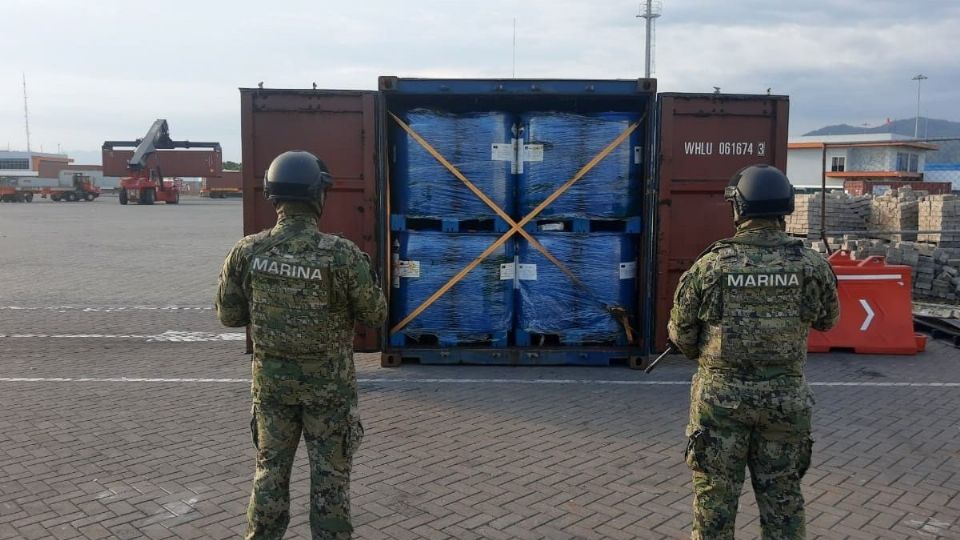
(611, 382)
(105, 309)
(168, 336)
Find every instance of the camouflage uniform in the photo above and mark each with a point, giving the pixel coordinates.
(743, 311)
(301, 292)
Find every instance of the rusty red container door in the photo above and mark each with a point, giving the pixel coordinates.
(337, 126)
(704, 139)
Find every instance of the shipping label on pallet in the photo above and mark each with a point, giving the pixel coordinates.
(628, 270)
(518, 272)
(528, 152)
(506, 152)
(405, 269)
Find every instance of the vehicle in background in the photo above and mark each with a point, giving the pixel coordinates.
(229, 184)
(78, 187)
(10, 193)
(82, 189)
(154, 155)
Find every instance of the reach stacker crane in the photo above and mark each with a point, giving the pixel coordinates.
(143, 168)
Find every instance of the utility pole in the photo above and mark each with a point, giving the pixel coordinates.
(916, 129)
(26, 112)
(649, 13)
(514, 47)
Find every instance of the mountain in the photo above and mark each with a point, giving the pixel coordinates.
(931, 128)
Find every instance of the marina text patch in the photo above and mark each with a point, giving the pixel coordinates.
(261, 264)
(785, 279)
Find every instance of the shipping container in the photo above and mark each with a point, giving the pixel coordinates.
(704, 139)
(171, 163)
(667, 178)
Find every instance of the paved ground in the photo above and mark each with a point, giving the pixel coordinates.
(126, 414)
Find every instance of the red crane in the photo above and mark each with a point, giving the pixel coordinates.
(153, 156)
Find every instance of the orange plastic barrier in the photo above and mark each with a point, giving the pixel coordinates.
(876, 312)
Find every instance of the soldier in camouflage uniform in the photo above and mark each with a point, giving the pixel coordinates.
(743, 312)
(301, 291)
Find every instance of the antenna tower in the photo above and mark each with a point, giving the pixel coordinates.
(649, 10)
(26, 112)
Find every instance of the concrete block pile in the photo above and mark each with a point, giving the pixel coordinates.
(936, 270)
(897, 210)
(940, 213)
(843, 213)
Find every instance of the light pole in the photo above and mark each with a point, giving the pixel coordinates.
(916, 129)
(652, 12)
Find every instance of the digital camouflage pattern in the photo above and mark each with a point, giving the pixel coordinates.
(301, 291)
(743, 311)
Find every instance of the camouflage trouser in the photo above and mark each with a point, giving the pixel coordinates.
(332, 436)
(725, 435)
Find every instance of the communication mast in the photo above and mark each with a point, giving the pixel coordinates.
(650, 12)
(26, 112)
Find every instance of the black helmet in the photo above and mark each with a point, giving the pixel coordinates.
(297, 176)
(759, 191)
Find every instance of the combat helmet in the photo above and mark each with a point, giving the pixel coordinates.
(297, 176)
(759, 191)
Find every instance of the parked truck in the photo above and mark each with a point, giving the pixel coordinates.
(78, 187)
(153, 156)
(82, 188)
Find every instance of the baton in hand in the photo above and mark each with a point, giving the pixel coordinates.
(653, 364)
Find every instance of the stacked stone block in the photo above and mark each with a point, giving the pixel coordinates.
(843, 213)
(897, 210)
(936, 270)
(940, 213)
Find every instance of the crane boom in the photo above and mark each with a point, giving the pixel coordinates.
(157, 138)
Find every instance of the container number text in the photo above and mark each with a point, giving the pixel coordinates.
(704, 148)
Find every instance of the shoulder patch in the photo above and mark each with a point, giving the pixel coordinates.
(727, 253)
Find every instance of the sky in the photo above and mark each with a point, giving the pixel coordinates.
(106, 69)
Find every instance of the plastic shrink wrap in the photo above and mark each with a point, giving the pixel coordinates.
(478, 309)
(479, 145)
(557, 145)
(552, 305)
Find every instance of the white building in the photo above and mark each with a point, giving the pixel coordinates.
(14, 163)
(884, 156)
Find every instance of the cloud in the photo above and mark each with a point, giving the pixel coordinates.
(107, 69)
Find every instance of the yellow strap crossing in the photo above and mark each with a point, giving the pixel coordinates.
(515, 227)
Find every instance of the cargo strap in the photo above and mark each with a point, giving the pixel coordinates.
(515, 227)
(483, 197)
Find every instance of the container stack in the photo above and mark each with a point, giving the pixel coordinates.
(557, 145)
(439, 226)
(552, 310)
(589, 228)
(940, 213)
(479, 145)
(476, 311)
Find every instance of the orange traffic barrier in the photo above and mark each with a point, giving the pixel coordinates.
(876, 310)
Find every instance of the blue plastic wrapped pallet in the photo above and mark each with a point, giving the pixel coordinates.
(554, 310)
(478, 144)
(558, 144)
(477, 311)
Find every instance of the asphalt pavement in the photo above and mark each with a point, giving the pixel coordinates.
(126, 414)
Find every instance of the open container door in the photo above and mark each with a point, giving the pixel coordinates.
(339, 127)
(704, 139)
